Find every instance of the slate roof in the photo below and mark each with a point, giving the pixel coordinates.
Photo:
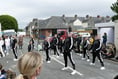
(59, 22)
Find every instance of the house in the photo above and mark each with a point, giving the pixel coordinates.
(49, 27)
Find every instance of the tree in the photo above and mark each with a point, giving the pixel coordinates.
(8, 22)
(114, 8)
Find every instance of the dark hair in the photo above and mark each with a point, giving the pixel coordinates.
(116, 77)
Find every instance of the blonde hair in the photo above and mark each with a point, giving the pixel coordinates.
(28, 64)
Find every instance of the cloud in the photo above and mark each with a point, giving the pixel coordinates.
(24, 11)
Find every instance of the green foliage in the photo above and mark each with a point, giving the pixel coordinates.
(8, 22)
(114, 7)
(115, 17)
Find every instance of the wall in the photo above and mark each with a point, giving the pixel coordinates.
(110, 33)
(116, 34)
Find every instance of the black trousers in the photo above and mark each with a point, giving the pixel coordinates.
(85, 53)
(47, 55)
(56, 50)
(15, 52)
(98, 55)
(68, 55)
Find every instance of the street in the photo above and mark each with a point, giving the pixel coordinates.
(53, 70)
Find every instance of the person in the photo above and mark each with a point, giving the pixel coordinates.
(79, 39)
(29, 65)
(46, 48)
(1, 49)
(14, 48)
(32, 39)
(55, 42)
(30, 46)
(7, 44)
(104, 39)
(20, 42)
(3, 74)
(68, 45)
(96, 52)
(116, 77)
(85, 46)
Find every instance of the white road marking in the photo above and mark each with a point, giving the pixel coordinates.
(68, 66)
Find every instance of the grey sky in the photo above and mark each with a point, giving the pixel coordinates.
(25, 10)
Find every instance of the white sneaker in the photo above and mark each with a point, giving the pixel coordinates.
(92, 63)
(7, 54)
(15, 59)
(83, 58)
(73, 72)
(80, 54)
(102, 68)
(57, 56)
(61, 54)
(48, 61)
(88, 60)
(65, 68)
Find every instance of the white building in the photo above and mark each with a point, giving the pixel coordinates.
(109, 28)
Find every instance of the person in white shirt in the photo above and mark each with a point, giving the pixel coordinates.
(1, 49)
(7, 43)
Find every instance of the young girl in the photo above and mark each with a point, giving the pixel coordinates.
(29, 65)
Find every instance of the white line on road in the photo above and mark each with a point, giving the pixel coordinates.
(68, 66)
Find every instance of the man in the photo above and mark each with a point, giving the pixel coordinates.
(46, 48)
(85, 46)
(68, 45)
(96, 52)
(55, 42)
(14, 48)
(104, 39)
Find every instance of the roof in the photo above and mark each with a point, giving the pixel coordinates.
(106, 24)
(59, 22)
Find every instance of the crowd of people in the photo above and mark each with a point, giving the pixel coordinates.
(30, 63)
(83, 45)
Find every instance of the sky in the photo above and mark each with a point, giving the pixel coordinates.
(25, 10)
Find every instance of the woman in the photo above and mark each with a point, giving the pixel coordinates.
(46, 48)
(29, 65)
(20, 42)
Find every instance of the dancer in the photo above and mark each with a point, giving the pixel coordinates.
(68, 44)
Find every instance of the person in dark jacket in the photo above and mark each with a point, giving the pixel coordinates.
(55, 42)
(32, 39)
(85, 46)
(104, 39)
(30, 46)
(68, 44)
(14, 48)
(96, 52)
(46, 48)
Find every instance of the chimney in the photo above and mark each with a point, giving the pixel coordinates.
(98, 16)
(107, 16)
(63, 16)
(87, 16)
(35, 19)
(76, 16)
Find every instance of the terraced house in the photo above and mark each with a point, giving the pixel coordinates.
(48, 27)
